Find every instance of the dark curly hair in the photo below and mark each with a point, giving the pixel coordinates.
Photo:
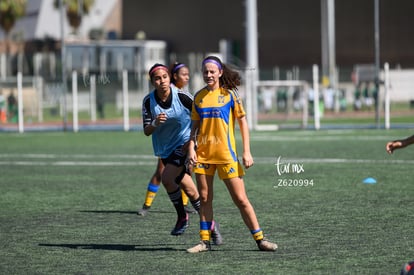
(230, 78)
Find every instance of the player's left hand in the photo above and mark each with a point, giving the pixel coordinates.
(247, 160)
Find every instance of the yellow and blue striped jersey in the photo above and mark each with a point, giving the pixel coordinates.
(217, 111)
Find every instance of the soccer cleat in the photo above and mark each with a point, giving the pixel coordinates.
(265, 245)
(189, 209)
(143, 211)
(215, 234)
(180, 226)
(202, 246)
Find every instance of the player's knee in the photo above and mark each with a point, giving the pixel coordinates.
(242, 203)
(205, 198)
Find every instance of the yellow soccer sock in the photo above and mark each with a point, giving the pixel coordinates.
(149, 198)
(151, 193)
(205, 235)
(257, 234)
(205, 231)
(185, 197)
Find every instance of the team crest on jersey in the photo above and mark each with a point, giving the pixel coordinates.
(220, 99)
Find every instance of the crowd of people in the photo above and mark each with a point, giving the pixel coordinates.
(9, 109)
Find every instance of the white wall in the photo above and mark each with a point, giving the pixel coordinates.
(402, 85)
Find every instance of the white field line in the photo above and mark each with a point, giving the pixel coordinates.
(149, 160)
(334, 160)
(318, 138)
(78, 163)
(78, 156)
(75, 160)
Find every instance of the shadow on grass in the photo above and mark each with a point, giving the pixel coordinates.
(127, 247)
(119, 211)
(119, 247)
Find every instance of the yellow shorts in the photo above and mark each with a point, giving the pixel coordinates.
(225, 171)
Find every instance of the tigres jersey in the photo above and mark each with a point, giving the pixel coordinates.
(217, 112)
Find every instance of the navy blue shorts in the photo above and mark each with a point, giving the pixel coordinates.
(176, 158)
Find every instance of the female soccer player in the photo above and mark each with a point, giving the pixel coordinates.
(166, 116)
(215, 109)
(180, 78)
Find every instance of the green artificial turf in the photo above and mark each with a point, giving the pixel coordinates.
(68, 206)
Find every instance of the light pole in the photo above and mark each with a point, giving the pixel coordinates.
(377, 60)
(252, 68)
(63, 63)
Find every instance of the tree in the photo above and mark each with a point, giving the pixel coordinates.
(74, 11)
(10, 11)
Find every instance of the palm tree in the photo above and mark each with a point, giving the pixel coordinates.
(10, 11)
(74, 10)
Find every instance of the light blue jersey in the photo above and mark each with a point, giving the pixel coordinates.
(175, 131)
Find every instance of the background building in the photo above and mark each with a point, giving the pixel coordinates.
(117, 35)
(289, 31)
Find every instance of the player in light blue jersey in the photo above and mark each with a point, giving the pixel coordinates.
(180, 76)
(166, 117)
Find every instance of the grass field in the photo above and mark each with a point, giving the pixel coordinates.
(68, 206)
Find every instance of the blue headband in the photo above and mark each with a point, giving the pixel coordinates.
(214, 62)
(179, 66)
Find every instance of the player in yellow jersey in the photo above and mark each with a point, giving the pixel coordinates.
(212, 148)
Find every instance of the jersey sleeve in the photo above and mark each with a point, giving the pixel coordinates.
(239, 111)
(194, 114)
(146, 112)
(186, 99)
